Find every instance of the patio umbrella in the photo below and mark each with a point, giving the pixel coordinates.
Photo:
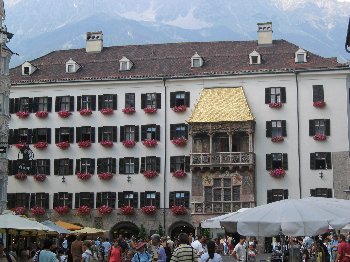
(214, 222)
(293, 217)
(90, 230)
(67, 225)
(55, 227)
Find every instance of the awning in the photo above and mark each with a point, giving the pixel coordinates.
(55, 227)
(90, 230)
(67, 225)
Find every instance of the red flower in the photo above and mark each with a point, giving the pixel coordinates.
(41, 145)
(83, 211)
(85, 112)
(276, 105)
(178, 210)
(37, 211)
(105, 176)
(107, 111)
(150, 142)
(129, 110)
(19, 210)
(84, 176)
(150, 110)
(63, 145)
(62, 210)
(106, 143)
(319, 104)
(320, 137)
(41, 114)
(22, 114)
(21, 176)
(105, 210)
(150, 174)
(179, 108)
(277, 139)
(20, 145)
(129, 143)
(39, 177)
(180, 141)
(84, 144)
(179, 174)
(127, 210)
(149, 210)
(64, 114)
(278, 172)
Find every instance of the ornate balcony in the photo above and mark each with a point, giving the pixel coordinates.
(226, 159)
(219, 207)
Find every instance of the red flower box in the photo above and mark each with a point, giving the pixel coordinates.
(105, 210)
(276, 105)
(150, 110)
(84, 144)
(63, 145)
(180, 141)
(37, 211)
(179, 108)
(39, 177)
(83, 211)
(20, 145)
(127, 210)
(64, 114)
(84, 176)
(19, 211)
(150, 174)
(85, 112)
(41, 114)
(277, 139)
(179, 174)
(278, 172)
(319, 104)
(106, 111)
(149, 210)
(62, 210)
(129, 143)
(40, 145)
(128, 110)
(22, 114)
(150, 142)
(105, 176)
(320, 137)
(21, 176)
(178, 210)
(106, 143)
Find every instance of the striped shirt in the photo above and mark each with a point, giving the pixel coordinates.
(184, 253)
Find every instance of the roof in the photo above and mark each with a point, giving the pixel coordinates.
(169, 61)
(221, 105)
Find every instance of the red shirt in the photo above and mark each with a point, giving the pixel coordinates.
(116, 254)
(343, 248)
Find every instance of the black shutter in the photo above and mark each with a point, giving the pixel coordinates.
(49, 104)
(113, 196)
(30, 136)
(26, 204)
(35, 104)
(17, 102)
(15, 136)
(312, 161)
(158, 165)
(186, 130)
(9, 168)
(56, 166)
(120, 199)
(57, 135)
(268, 129)
(78, 134)
(284, 128)
(31, 102)
(100, 101)
(122, 133)
(312, 192)
(100, 130)
(143, 100)
(77, 166)
(47, 201)
(93, 101)
(311, 127)
(328, 127)
(77, 200)
(137, 133)
(92, 130)
(70, 166)
(143, 163)
(172, 99)
(71, 103)
(283, 95)
(159, 100)
(158, 132)
(268, 161)
(71, 135)
(115, 102)
(329, 160)
(55, 200)
(187, 164)
(48, 134)
(115, 132)
(172, 164)
(92, 166)
(285, 161)
(114, 165)
(143, 132)
(33, 165)
(47, 167)
(32, 200)
(267, 95)
(98, 199)
(99, 164)
(187, 99)
(142, 199)
(171, 199)
(136, 165)
(78, 103)
(10, 137)
(12, 105)
(57, 103)
(285, 194)
(187, 198)
(135, 200)
(329, 193)
(92, 200)
(157, 204)
(34, 135)
(121, 166)
(70, 200)
(269, 196)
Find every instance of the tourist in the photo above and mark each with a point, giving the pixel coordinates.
(115, 253)
(141, 255)
(211, 255)
(4, 256)
(184, 252)
(239, 251)
(86, 256)
(198, 245)
(343, 250)
(106, 247)
(46, 255)
(76, 249)
(157, 250)
(334, 247)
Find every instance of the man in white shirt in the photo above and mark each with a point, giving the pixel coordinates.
(198, 245)
(239, 251)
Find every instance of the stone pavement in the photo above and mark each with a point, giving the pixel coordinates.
(258, 258)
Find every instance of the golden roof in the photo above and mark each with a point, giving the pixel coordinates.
(221, 105)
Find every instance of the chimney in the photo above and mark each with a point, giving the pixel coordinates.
(94, 42)
(265, 33)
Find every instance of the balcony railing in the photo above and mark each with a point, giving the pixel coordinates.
(222, 159)
(218, 207)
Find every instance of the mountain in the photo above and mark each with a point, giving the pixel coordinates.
(41, 26)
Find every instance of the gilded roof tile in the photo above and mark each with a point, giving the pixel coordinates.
(221, 105)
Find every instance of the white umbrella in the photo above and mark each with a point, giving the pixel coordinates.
(293, 217)
(214, 222)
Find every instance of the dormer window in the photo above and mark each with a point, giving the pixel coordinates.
(125, 64)
(196, 60)
(300, 56)
(28, 69)
(72, 66)
(254, 58)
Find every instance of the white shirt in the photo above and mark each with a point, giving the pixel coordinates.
(240, 251)
(198, 247)
(107, 246)
(205, 256)
(86, 255)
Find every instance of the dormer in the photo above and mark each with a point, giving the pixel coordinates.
(196, 60)
(125, 64)
(72, 66)
(300, 56)
(28, 69)
(254, 58)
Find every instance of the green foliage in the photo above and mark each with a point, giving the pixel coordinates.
(142, 233)
(206, 232)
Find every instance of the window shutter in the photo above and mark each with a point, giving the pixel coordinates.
(136, 165)
(172, 164)
(313, 192)
(172, 131)
(328, 127)
(98, 199)
(35, 105)
(269, 196)
(77, 166)
(32, 200)
(171, 199)
(136, 200)
(17, 101)
(143, 162)
(283, 95)
(114, 165)
(26, 204)
(115, 102)
(329, 193)
(113, 197)
(172, 99)
(31, 103)
(33, 165)
(99, 102)
(142, 199)
(93, 101)
(284, 128)
(70, 200)
(268, 161)
(312, 161)
(71, 135)
(10, 137)
(48, 134)
(267, 95)
(137, 133)
(285, 161)
(78, 103)
(285, 194)
(47, 201)
(70, 167)
(158, 165)
(157, 200)
(159, 100)
(268, 129)
(99, 163)
(187, 199)
(120, 199)
(143, 132)
(121, 166)
(56, 166)
(34, 135)
(187, 99)
(143, 101)
(115, 137)
(187, 164)
(57, 103)
(49, 104)
(78, 135)
(158, 132)
(122, 133)
(186, 130)
(77, 200)
(329, 160)
(15, 136)
(30, 136)
(11, 200)
(47, 168)
(92, 130)
(92, 200)
(100, 130)
(71, 103)
(55, 200)
(9, 168)
(92, 166)
(12, 105)
(311, 127)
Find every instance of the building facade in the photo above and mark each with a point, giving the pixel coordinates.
(170, 134)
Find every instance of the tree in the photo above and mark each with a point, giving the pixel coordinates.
(142, 233)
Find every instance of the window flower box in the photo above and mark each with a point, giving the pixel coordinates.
(129, 143)
(149, 174)
(37, 211)
(275, 105)
(178, 210)
(85, 112)
(178, 109)
(83, 211)
(179, 174)
(106, 111)
(64, 114)
(40, 145)
(319, 104)
(105, 210)
(20, 211)
(150, 110)
(150, 142)
(63, 145)
(149, 210)
(127, 210)
(84, 144)
(277, 139)
(320, 137)
(21, 176)
(62, 210)
(21, 145)
(106, 143)
(41, 114)
(39, 177)
(84, 176)
(22, 114)
(278, 172)
(180, 141)
(129, 110)
(105, 176)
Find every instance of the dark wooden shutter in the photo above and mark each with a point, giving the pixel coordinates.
(9, 168)
(172, 164)
(98, 199)
(143, 100)
(122, 133)
(100, 130)
(328, 127)
(312, 161)
(158, 164)
(285, 161)
(171, 199)
(172, 99)
(187, 164)
(187, 99)
(186, 131)
(269, 196)
(32, 200)
(158, 132)
(121, 166)
(143, 132)
(329, 160)
(143, 163)
(48, 135)
(29, 137)
(311, 127)
(31, 103)
(70, 166)
(71, 135)
(113, 196)
(57, 103)
(157, 200)
(78, 103)
(34, 135)
(92, 166)
(92, 200)
(283, 95)
(284, 128)
(100, 101)
(268, 161)
(55, 200)
(77, 200)
(136, 165)
(47, 201)
(159, 100)
(329, 193)
(137, 133)
(78, 134)
(142, 199)
(92, 130)
(17, 102)
(135, 200)
(47, 167)
(57, 135)
(267, 95)
(77, 166)
(99, 165)
(120, 199)
(35, 104)
(12, 105)
(15, 136)
(187, 198)
(49, 104)
(71, 103)
(115, 132)
(312, 192)
(268, 129)
(70, 200)
(115, 102)
(56, 166)
(93, 101)
(285, 194)
(114, 165)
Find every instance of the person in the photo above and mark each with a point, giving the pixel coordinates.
(46, 255)
(128, 257)
(76, 249)
(343, 250)
(65, 244)
(157, 250)
(334, 247)
(211, 255)
(86, 256)
(239, 251)
(190, 238)
(4, 256)
(62, 255)
(115, 253)
(106, 247)
(167, 249)
(184, 252)
(198, 245)
(251, 252)
(141, 254)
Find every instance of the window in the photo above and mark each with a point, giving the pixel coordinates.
(107, 101)
(129, 133)
(85, 165)
(70, 68)
(107, 133)
(39, 199)
(274, 195)
(300, 56)
(128, 165)
(63, 199)
(236, 193)
(221, 142)
(150, 132)
(26, 70)
(179, 163)
(64, 134)
(321, 160)
(275, 95)
(4, 104)
(178, 130)
(276, 160)
(84, 199)
(150, 198)
(150, 163)
(41, 135)
(22, 135)
(63, 167)
(318, 94)
(180, 98)
(319, 127)
(222, 191)
(86, 133)
(86, 102)
(18, 200)
(129, 100)
(125, 64)
(254, 59)
(41, 166)
(24, 104)
(106, 198)
(196, 60)
(128, 198)
(64, 103)
(179, 198)
(152, 100)
(106, 165)
(276, 128)
(321, 192)
(42, 104)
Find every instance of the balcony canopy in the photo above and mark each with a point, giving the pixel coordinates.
(221, 105)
